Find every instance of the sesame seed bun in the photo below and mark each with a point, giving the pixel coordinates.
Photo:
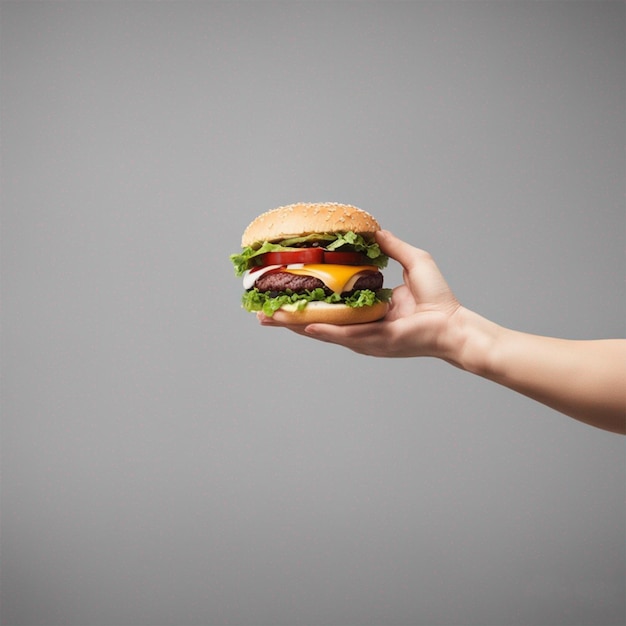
(305, 218)
(340, 314)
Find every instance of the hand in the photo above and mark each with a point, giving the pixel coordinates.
(421, 316)
(582, 379)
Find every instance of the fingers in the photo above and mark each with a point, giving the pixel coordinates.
(360, 338)
(324, 332)
(339, 334)
(276, 323)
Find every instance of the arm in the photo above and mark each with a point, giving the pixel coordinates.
(583, 379)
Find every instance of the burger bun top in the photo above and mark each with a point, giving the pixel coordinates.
(306, 218)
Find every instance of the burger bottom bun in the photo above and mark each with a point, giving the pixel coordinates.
(341, 314)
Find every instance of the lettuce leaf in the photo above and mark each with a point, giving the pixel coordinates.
(255, 300)
(351, 241)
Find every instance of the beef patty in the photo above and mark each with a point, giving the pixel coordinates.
(281, 281)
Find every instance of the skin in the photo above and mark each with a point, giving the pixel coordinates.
(585, 380)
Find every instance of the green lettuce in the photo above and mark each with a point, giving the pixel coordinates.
(349, 241)
(255, 300)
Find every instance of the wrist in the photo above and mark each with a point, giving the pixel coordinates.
(472, 342)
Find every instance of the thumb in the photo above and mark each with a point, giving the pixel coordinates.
(399, 250)
(421, 273)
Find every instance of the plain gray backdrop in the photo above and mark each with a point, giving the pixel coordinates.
(167, 461)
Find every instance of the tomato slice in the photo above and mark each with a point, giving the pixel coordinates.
(305, 255)
(313, 255)
(345, 258)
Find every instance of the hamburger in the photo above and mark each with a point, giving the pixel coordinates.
(315, 262)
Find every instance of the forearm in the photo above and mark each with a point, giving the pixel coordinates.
(583, 379)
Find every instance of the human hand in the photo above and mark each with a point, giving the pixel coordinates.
(421, 317)
(583, 379)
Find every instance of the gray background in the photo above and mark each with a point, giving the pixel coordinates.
(166, 461)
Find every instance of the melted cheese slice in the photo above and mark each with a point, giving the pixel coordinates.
(338, 278)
